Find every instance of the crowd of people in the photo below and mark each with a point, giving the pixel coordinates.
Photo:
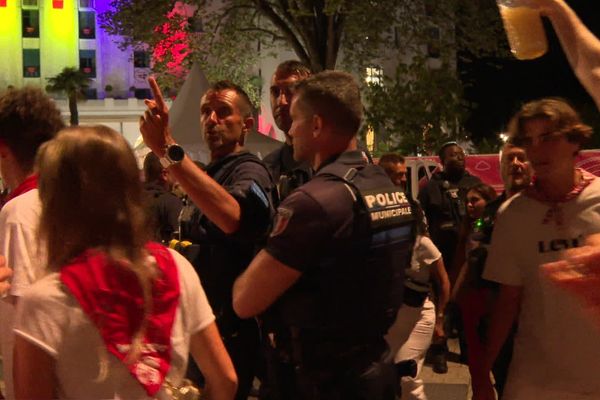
(313, 271)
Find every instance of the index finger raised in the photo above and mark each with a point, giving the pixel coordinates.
(158, 97)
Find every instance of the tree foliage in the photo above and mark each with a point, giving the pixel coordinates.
(325, 34)
(417, 109)
(73, 83)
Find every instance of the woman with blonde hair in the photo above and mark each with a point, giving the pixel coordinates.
(116, 315)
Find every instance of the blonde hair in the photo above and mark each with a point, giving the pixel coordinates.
(92, 198)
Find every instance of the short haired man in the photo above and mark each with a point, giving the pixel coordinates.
(287, 173)
(444, 203)
(233, 206)
(444, 199)
(28, 118)
(516, 174)
(556, 348)
(328, 286)
(163, 206)
(395, 167)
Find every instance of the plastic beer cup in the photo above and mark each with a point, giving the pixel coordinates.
(524, 29)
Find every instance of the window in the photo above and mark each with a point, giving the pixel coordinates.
(87, 25)
(31, 23)
(2, 3)
(374, 76)
(57, 3)
(31, 63)
(141, 59)
(30, 3)
(87, 62)
(86, 3)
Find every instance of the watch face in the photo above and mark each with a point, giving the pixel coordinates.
(175, 153)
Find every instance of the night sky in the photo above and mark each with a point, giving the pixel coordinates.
(498, 92)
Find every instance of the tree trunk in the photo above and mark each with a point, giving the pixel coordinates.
(73, 109)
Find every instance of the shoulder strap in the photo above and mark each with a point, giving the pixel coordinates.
(387, 206)
(224, 173)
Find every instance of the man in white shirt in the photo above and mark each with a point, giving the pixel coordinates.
(28, 118)
(556, 349)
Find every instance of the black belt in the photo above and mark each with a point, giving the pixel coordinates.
(414, 298)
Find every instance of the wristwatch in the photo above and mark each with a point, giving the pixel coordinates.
(173, 155)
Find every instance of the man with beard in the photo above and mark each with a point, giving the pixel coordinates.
(287, 173)
(395, 167)
(516, 175)
(444, 203)
(233, 207)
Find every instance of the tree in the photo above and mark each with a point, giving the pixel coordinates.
(73, 82)
(314, 29)
(324, 34)
(415, 115)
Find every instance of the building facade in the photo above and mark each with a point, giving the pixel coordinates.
(38, 38)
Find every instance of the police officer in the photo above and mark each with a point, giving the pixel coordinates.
(287, 173)
(232, 207)
(444, 203)
(332, 270)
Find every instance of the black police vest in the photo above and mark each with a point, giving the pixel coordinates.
(217, 257)
(352, 297)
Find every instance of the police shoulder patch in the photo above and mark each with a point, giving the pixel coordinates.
(281, 220)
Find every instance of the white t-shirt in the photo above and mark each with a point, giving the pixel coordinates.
(19, 220)
(424, 254)
(49, 317)
(557, 349)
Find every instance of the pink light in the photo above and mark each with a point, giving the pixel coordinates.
(265, 128)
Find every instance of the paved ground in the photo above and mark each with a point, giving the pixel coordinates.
(455, 385)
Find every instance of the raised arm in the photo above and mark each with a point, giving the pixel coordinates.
(580, 45)
(210, 354)
(215, 202)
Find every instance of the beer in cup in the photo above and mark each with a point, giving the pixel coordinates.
(524, 29)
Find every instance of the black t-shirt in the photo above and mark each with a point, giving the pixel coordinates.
(163, 208)
(444, 203)
(288, 174)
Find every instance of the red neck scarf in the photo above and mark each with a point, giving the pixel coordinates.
(112, 298)
(555, 212)
(30, 183)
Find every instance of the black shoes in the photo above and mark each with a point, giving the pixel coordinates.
(438, 357)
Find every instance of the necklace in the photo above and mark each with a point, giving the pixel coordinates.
(555, 212)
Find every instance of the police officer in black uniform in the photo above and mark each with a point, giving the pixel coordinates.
(231, 212)
(333, 268)
(444, 203)
(287, 173)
